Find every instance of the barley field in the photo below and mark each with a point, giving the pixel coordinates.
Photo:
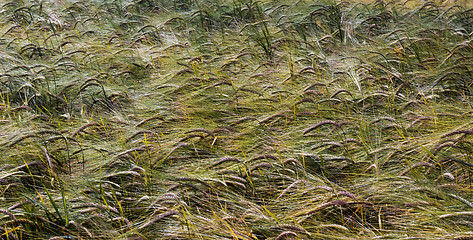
(236, 119)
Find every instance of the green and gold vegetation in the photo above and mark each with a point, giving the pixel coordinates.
(236, 119)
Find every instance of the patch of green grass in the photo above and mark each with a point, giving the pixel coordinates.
(235, 119)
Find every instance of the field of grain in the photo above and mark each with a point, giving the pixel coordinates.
(241, 119)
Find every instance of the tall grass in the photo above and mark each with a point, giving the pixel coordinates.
(235, 119)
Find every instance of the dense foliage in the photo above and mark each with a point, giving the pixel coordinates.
(242, 119)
